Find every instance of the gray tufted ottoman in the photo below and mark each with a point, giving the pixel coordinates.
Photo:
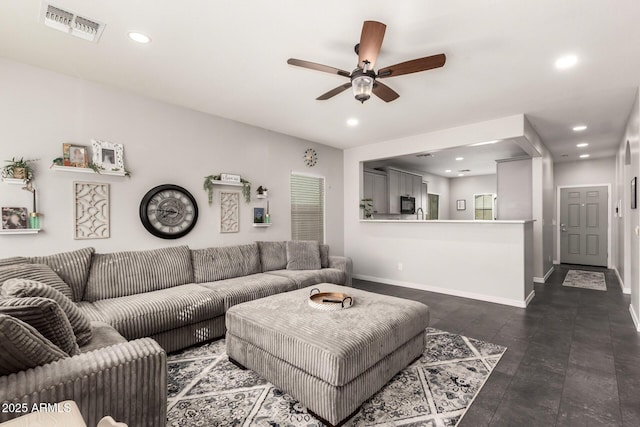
(330, 361)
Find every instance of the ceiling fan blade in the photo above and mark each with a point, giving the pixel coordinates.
(334, 92)
(317, 67)
(413, 66)
(384, 92)
(370, 42)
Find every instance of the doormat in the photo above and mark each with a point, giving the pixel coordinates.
(585, 279)
(205, 389)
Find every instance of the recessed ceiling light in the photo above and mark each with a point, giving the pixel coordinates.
(460, 174)
(139, 37)
(484, 143)
(584, 156)
(579, 128)
(448, 171)
(566, 62)
(352, 122)
(459, 158)
(582, 144)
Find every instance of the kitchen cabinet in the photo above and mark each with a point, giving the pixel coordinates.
(402, 183)
(375, 187)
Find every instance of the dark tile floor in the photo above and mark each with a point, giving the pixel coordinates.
(573, 356)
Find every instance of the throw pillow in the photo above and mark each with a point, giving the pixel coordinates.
(46, 316)
(303, 255)
(22, 288)
(72, 267)
(39, 272)
(273, 255)
(23, 347)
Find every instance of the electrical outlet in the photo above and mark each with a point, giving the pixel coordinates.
(400, 266)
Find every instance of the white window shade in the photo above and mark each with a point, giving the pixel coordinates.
(307, 208)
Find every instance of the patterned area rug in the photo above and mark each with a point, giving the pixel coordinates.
(205, 389)
(585, 279)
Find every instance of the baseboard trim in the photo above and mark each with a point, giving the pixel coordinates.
(546, 276)
(530, 298)
(634, 317)
(626, 291)
(453, 292)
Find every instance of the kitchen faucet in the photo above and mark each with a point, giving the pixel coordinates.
(421, 212)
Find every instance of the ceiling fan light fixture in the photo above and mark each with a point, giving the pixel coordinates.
(362, 84)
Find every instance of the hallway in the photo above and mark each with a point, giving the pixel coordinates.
(573, 355)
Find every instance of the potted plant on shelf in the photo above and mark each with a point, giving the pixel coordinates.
(18, 169)
(262, 192)
(367, 206)
(209, 182)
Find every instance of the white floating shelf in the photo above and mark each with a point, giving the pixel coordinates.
(261, 224)
(260, 196)
(86, 170)
(22, 231)
(232, 184)
(14, 181)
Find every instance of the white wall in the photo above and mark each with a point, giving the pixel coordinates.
(464, 188)
(587, 172)
(163, 144)
(514, 189)
(629, 256)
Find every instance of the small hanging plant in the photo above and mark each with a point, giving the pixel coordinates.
(209, 183)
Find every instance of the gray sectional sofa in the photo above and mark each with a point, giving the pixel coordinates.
(139, 305)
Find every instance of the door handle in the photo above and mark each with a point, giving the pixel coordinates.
(563, 228)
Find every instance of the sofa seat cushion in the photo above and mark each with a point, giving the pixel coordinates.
(23, 347)
(103, 335)
(119, 274)
(142, 315)
(248, 288)
(305, 278)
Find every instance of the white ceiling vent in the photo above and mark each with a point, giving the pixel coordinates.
(71, 23)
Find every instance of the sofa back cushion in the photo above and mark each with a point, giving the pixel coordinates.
(324, 256)
(227, 262)
(13, 260)
(120, 274)
(46, 316)
(23, 347)
(39, 272)
(72, 267)
(273, 255)
(303, 255)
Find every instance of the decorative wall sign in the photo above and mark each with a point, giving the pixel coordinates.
(229, 212)
(91, 210)
(107, 155)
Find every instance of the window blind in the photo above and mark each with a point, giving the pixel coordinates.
(307, 208)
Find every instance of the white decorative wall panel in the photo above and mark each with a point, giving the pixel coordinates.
(91, 210)
(229, 210)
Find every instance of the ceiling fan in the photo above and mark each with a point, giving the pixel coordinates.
(363, 80)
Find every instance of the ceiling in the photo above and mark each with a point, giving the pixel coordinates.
(229, 59)
(475, 160)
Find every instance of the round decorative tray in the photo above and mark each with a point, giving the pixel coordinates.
(329, 301)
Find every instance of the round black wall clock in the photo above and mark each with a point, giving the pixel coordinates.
(168, 211)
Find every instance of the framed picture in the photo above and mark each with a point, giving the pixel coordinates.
(108, 155)
(258, 215)
(75, 155)
(634, 193)
(461, 205)
(91, 210)
(15, 218)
